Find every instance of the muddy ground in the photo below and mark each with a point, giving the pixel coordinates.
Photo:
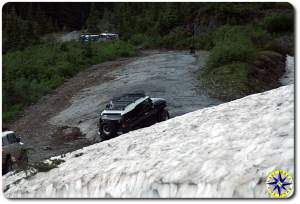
(66, 119)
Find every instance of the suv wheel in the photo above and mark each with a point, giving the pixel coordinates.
(108, 130)
(163, 115)
(8, 165)
(24, 158)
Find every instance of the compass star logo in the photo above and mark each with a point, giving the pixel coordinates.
(279, 184)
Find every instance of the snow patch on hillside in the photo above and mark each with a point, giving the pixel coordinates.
(221, 151)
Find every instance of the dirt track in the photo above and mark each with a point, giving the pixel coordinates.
(77, 104)
(43, 137)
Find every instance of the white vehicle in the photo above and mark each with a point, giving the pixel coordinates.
(101, 37)
(13, 151)
(108, 36)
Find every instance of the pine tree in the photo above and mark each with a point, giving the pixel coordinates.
(41, 18)
(93, 19)
(105, 22)
(11, 35)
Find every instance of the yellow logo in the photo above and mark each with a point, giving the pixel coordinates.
(279, 184)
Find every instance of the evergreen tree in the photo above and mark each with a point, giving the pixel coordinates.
(105, 24)
(42, 21)
(93, 19)
(10, 31)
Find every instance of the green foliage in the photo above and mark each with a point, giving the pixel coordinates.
(234, 32)
(11, 113)
(204, 41)
(18, 33)
(279, 23)
(229, 81)
(138, 39)
(228, 73)
(232, 45)
(178, 38)
(92, 20)
(31, 73)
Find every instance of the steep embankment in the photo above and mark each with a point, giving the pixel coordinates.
(221, 151)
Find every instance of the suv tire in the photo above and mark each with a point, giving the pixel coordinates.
(163, 115)
(8, 165)
(108, 130)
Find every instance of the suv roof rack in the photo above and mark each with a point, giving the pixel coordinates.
(121, 102)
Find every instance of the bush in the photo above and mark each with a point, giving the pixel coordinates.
(229, 81)
(137, 39)
(279, 23)
(178, 38)
(258, 36)
(31, 73)
(228, 73)
(11, 112)
(227, 52)
(204, 41)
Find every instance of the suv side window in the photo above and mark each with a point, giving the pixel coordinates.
(144, 106)
(12, 138)
(5, 141)
(139, 109)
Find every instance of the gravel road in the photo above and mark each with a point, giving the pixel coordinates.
(168, 74)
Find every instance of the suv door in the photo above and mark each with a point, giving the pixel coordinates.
(15, 148)
(5, 147)
(145, 112)
(140, 114)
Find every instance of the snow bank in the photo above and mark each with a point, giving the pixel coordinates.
(222, 151)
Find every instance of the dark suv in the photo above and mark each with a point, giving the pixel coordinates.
(130, 112)
(13, 151)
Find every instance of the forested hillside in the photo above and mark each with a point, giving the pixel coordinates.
(162, 24)
(245, 39)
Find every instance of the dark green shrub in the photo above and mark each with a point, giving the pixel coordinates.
(227, 52)
(203, 42)
(253, 32)
(11, 112)
(64, 47)
(279, 23)
(137, 39)
(31, 73)
(229, 81)
(178, 38)
(258, 36)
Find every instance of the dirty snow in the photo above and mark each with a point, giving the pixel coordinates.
(221, 151)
